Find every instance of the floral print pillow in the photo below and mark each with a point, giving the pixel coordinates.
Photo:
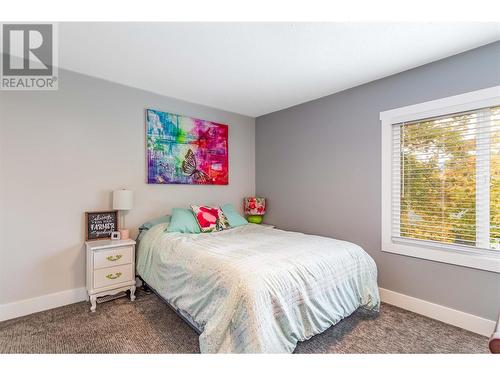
(210, 219)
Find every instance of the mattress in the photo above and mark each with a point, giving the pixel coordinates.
(256, 289)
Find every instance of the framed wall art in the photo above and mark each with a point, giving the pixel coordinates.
(185, 150)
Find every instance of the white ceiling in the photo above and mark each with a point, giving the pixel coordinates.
(257, 68)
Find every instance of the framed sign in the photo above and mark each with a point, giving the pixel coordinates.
(100, 224)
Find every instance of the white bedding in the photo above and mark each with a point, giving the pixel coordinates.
(255, 289)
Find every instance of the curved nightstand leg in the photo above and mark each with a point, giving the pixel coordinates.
(132, 293)
(93, 304)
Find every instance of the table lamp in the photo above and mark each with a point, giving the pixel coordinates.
(123, 200)
(255, 208)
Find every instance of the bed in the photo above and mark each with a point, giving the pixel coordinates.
(256, 289)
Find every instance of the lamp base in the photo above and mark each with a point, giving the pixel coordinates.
(124, 234)
(255, 219)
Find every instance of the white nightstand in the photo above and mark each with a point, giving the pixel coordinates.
(110, 268)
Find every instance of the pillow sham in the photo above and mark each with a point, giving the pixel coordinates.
(234, 218)
(183, 221)
(210, 219)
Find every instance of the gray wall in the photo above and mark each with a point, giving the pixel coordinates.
(319, 165)
(63, 152)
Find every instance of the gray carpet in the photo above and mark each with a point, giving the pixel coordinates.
(149, 326)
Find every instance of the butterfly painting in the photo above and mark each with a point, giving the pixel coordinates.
(185, 150)
(189, 167)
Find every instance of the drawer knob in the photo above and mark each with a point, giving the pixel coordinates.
(112, 258)
(115, 276)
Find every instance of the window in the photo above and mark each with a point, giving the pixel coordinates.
(441, 180)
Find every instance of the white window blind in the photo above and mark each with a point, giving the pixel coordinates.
(445, 180)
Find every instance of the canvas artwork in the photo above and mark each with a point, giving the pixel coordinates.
(185, 150)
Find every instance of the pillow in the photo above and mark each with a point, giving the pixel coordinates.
(151, 223)
(183, 221)
(234, 218)
(143, 232)
(210, 219)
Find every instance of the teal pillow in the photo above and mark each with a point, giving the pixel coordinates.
(151, 223)
(183, 221)
(234, 218)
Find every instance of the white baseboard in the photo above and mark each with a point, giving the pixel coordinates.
(444, 314)
(46, 302)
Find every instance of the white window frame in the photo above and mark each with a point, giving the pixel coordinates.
(440, 252)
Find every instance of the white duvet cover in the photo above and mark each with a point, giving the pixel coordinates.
(255, 289)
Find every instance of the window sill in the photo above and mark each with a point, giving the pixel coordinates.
(486, 262)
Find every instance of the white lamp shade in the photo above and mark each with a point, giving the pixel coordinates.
(123, 199)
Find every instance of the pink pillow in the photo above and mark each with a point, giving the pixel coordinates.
(210, 219)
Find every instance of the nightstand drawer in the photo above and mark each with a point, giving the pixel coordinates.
(113, 275)
(113, 257)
